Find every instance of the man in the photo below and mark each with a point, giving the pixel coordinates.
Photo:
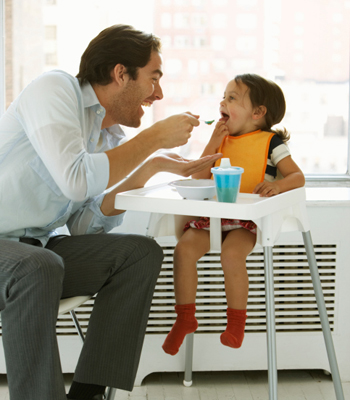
(59, 152)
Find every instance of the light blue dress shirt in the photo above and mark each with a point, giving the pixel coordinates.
(53, 169)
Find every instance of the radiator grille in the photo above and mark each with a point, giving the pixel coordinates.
(295, 303)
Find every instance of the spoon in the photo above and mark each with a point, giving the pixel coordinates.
(207, 122)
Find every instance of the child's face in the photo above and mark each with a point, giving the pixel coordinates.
(237, 109)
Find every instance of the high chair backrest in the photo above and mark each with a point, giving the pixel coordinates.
(290, 219)
(167, 225)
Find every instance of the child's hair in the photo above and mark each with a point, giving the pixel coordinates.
(263, 92)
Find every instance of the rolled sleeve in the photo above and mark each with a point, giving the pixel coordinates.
(89, 219)
(97, 173)
(101, 220)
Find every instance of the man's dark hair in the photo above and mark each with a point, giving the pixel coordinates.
(118, 44)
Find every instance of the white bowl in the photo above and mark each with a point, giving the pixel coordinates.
(197, 189)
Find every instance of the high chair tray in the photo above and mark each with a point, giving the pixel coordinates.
(165, 199)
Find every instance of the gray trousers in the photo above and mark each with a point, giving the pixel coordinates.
(122, 269)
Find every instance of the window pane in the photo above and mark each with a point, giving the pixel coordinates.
(301, 45)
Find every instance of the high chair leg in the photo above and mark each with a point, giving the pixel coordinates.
(323, 315)
(188, 360)
(270, 324)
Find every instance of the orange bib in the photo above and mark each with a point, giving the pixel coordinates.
(249, 151)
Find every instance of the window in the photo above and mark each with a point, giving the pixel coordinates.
(166, 20)
(173, 66)
(192, 67)
(50, 32)
(199, 21)
(246, 3)
(181, 41)
(199, 42)
(246, 44)
(181, 21)
(218, 42)
(50, 46)
(246, 21)
(219, 21)
(301, 45)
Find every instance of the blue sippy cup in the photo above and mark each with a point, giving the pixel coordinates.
(227, 181)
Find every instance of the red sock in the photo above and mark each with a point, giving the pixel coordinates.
(234, 334)
(185, 323)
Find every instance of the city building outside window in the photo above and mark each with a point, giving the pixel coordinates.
(301, 45)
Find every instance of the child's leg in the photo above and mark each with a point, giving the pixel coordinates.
(191, 247)
(235, 249)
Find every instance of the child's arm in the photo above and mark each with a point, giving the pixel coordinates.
(292, 179)
(212, 147)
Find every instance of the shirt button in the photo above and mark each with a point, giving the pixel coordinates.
(98, 112)
(91, 140)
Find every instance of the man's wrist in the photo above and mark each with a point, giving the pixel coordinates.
(151, 167)
(148, 137)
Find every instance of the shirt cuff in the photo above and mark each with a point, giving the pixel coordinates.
(101, 221)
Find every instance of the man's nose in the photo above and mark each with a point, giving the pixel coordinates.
(158, 92)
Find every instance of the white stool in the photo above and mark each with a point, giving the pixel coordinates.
(69, 305)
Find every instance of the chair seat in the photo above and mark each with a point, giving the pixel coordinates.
(71, 303)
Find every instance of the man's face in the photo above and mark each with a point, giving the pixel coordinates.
(126, 108)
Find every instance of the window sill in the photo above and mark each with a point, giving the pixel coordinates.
(328, 196)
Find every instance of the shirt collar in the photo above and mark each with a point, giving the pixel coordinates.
(90, 100)
(89, 96)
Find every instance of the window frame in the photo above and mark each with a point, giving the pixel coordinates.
(2, 57)
(312, 180)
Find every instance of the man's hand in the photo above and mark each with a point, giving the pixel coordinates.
(172, 162)
(267, 189)
(168, 133)
(173, 131)
(165, 162)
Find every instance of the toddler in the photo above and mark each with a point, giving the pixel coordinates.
(251, 106)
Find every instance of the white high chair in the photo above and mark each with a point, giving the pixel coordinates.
(283, 213)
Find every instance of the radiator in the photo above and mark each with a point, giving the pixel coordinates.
(299, 335)
(295, 303)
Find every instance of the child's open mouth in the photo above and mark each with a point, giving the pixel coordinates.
(224, 117)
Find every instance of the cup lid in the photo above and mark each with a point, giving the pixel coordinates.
(229, 170)
(225, 163)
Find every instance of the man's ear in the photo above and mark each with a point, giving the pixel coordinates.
(119, 75)
(259, 112)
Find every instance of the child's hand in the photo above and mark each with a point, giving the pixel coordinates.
(219, 132)
(267, 189)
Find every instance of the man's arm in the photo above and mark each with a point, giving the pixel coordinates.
(160, 163)
(168, 133)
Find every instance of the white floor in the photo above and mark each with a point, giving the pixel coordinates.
(293, 385)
